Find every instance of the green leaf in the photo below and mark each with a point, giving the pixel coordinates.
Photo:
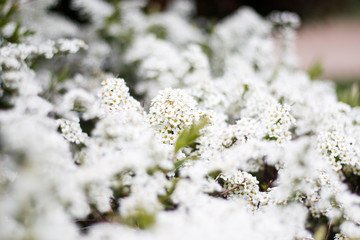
(166, 199)
(214, 174)
(207, 50)
(64, 74)
(348, 93)
(141, 219)
(190, 134)
(158, 30)
(6, 17)
(178, 164)
(316, 70)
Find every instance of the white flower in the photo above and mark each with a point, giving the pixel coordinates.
(170, 112)
(71, 131)
(115, 96)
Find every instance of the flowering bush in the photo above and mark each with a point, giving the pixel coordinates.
(144, 126)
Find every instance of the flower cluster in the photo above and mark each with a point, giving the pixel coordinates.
(71, 131)
(278, 120)
(239, 184)
(170, 112)
(338, 150)
(339, 236)
(115, 96)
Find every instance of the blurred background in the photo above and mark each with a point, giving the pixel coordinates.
(328, 40)
(330, 33)
(329, 37)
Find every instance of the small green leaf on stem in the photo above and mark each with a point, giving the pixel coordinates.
(141, 219)
(178, 164)
(190, 134)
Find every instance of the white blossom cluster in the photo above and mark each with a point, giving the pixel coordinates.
(159, 129)
(244, 185)
(71, 131)
(339, 150)
(16, 74)
(115, 96)
(277, 121)
(170, 112)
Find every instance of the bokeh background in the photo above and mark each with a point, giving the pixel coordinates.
(330, 33)
(329, 36)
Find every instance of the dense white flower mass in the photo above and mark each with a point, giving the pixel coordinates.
(71, 131)
(170, 112)
(115, 96)
(132, 124)
(244, 186)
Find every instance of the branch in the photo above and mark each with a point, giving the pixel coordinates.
(328, 231)
(229, 190)
(98, 214)
(268, 185)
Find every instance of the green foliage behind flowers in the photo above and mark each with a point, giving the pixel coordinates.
(141, 219)
(349, 93)
(10, 27)
(316, 70)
